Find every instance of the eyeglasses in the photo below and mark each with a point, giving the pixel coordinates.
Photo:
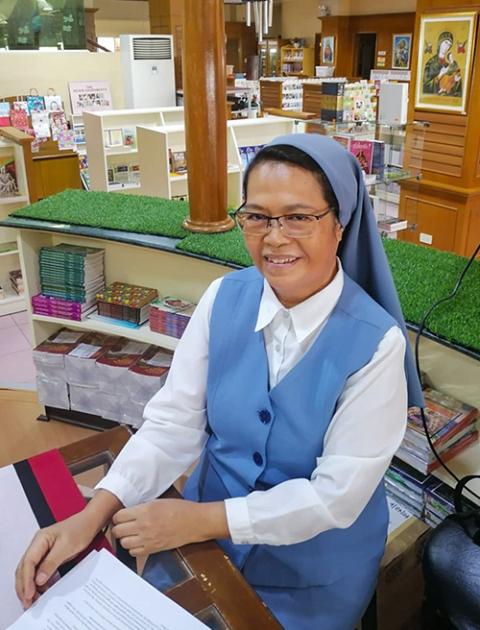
(296, 225)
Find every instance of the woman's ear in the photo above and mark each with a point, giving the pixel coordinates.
(339, 231)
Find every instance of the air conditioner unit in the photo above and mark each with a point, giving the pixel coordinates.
(148, 70)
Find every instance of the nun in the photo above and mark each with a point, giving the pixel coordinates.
(289, 389)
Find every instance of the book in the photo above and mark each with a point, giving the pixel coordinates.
(178, 161)
(113, 137)
(8, 177)
(363, 151)
(129, 137)
(38, 492)
(58, 123)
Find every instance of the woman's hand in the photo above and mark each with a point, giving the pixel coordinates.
(168, 523)
(50, 548)
(54, 545)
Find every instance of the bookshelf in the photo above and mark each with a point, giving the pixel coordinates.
(296, 61)
(155, 143)
(12, 149)
(111, 145)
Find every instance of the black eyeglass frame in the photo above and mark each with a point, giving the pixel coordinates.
(269, 219)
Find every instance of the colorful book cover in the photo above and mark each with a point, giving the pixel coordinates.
(344, 140)
(363, 151)
(8, 177)
(378, 159)
(35, 104)
(66, 139)
(129, 137)
(178, 161)
(4, 114)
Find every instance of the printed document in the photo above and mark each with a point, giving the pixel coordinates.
(101, 593)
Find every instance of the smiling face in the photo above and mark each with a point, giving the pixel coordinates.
(295, 268)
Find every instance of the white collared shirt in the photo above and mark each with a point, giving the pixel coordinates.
(364, 433)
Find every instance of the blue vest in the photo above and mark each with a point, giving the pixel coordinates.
(260, 437)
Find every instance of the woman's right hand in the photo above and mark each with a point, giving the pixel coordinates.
(54, 545)
(50, 548)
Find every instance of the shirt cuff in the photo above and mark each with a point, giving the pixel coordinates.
(238, 520)
(120, 487)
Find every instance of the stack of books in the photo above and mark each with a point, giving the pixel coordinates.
(451, 426)
(70, 277)
(406, 485)
(127, 302)
(439, 502)
(170, 316)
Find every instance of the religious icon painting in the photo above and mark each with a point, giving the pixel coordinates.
(328, 50)
(445, 55)
(401, 50)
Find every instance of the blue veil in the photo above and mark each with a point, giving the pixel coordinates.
(361, 250)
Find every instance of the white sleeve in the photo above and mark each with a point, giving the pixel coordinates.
(365, 432)
(173, 434)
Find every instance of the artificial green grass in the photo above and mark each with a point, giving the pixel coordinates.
(422, 275)
(226, 246)
(116, 211)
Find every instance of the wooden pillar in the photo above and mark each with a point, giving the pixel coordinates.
(204, 85)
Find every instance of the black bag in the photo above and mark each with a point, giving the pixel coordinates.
(451, 564)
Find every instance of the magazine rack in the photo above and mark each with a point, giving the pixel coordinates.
(202, 578)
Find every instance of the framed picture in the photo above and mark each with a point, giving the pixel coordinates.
(401, 49)
(89, 96)
(328, 50)
(445, 54)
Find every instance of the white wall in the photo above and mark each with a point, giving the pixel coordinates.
(43, 70)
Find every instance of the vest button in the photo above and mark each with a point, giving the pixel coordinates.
(257, 458)
(264, 415)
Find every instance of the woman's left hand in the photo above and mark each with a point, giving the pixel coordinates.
(168, 523)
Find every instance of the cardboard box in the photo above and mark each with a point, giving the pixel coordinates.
(400, 589)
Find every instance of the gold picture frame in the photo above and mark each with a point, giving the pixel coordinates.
(444, 62)
(328, 50)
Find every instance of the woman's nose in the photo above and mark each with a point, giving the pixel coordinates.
(275, 234)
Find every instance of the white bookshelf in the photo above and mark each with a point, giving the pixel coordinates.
(9, 259)
(154, 144)
(168, 272)
(101, 157)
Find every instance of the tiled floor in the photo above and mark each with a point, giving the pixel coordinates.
(16, 363)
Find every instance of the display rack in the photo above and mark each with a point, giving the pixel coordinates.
(384, 187)
(12, 146)
(296, 61)
(156, 143)
(109, 157)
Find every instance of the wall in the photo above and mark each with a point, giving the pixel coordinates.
(300, 17)
(114, 17)
(42, 70)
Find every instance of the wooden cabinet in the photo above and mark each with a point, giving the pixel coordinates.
(296, 61)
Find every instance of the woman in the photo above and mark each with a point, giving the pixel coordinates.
(289, 384)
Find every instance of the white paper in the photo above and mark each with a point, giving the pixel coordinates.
(17, 528)
(84, 351)
(67, 337)
(101, 593)
(398, 514)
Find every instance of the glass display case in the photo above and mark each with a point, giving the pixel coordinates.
(268, 57)
(380, 150)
